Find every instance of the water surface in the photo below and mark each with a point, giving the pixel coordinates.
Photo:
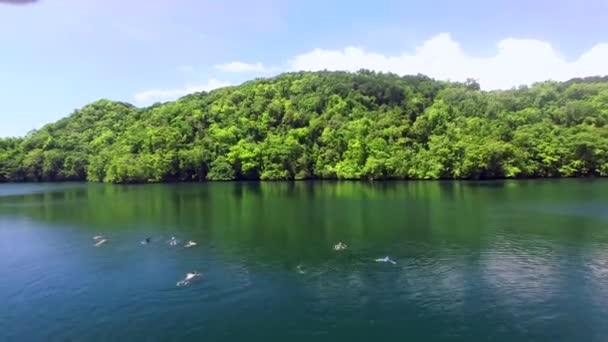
(499, 261)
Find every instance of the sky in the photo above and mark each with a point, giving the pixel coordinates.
(58, 55)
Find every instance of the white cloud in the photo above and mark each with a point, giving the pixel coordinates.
(161, 95)
(241, 67)
(517, 61)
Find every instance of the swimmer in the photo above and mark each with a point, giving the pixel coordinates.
(340, 246)
(101, 242)
(386, 259)
(190, 244)
(172, 241)
(146, 241)
(300, 269)
(189, 277)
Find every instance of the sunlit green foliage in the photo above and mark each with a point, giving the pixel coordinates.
(330, 125)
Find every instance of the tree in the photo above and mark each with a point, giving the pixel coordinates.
(327, 125)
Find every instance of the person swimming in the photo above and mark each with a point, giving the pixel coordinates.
(101, 242)
(190, 244)
(146, 241)
(189, 277)
(340, 246)
(300, 269)
(386, 259)
(173, 241)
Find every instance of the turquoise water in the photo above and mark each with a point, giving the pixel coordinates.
(499, 261)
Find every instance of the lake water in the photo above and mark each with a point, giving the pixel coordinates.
(499, 261)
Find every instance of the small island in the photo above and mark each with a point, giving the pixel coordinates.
(327, 125)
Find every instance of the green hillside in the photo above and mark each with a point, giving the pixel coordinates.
(327, 125)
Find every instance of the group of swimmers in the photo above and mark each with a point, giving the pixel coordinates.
(190, 276)
(100, 240)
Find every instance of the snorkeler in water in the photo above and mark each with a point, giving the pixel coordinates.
(190, 244)
(100, 242)
(386, 259)
(340, 246)
(300, 269)
(189, 277)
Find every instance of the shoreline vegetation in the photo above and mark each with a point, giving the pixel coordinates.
(327, 125)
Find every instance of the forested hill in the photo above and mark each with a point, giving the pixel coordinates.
(330, 125)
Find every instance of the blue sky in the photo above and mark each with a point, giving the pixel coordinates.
(58, 55)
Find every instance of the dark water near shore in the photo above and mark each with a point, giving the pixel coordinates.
(496, 261)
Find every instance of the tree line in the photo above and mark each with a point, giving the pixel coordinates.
(327, 125)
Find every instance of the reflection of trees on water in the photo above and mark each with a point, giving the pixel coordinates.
(304, 219)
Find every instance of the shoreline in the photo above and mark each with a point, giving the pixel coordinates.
(316, 180)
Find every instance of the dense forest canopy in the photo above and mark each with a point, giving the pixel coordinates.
(327, 125)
